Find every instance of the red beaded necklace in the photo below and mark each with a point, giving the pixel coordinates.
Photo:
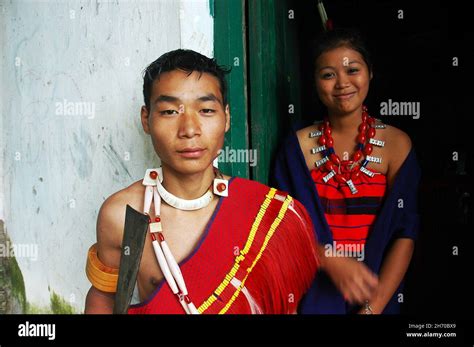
(331, 162)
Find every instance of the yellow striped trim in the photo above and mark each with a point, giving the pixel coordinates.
(253, 231)
(269, 235)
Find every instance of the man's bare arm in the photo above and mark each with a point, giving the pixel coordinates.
(109, 235)
(98, 301)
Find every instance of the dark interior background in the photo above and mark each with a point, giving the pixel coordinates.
(412, 60)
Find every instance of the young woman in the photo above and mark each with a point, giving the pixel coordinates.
(358, 179)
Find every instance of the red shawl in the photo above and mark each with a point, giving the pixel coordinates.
(257, 255)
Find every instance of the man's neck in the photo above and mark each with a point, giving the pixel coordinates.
(187, 186)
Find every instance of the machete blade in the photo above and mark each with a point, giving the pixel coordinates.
(136, 226)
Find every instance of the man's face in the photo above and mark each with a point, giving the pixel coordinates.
(187, 120)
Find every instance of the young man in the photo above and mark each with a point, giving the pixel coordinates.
(252, 251)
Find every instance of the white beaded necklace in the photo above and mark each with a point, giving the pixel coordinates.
(168, 264)
(173, 200)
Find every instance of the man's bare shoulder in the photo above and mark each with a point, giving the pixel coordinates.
(113, 208)
(128, 195)
(111, 220)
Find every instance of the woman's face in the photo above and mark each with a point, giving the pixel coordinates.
(342, 80)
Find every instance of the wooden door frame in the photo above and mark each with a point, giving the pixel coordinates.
(230, 50)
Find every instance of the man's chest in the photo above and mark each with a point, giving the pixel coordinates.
(182, 234)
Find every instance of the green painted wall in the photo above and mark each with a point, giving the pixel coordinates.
(230, 50)
(264, 87)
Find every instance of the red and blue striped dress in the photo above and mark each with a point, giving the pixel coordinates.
(350, 216)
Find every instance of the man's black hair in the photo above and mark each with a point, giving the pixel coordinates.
(185, 60)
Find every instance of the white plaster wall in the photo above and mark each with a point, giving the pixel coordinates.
(57, 169)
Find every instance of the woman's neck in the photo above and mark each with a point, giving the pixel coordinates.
(341, 123)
